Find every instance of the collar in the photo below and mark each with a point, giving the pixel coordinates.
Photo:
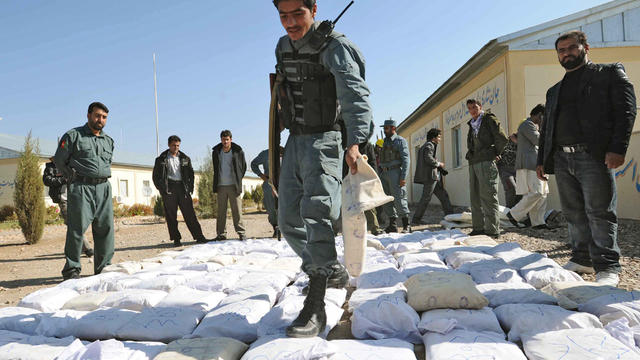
(479, 117)
(392, 137)
(298, 44)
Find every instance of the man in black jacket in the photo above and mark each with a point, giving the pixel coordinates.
(57, 184)
(429, 173)
(589, 116)
(173, 177)
(229, 167)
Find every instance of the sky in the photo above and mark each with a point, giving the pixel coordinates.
(214, 57)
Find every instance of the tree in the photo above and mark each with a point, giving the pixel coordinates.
(29, 192)
(158, 206)
(257, 195)
(207, 199)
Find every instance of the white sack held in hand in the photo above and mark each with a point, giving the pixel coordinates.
(360, 191)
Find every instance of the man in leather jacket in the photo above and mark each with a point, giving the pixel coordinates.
(173, 177)
(589, 117)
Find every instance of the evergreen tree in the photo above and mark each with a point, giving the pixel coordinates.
(257, 195)
(207, 199)
(29, 192)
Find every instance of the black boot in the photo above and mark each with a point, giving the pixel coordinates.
(275, 231)
(406, 228)
(337, 280)
(392, 226)
(312, 320)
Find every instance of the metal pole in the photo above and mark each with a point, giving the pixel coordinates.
(155, 91)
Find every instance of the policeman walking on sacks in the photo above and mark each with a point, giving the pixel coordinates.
(394, 163)
(320, 90)
(84, 156)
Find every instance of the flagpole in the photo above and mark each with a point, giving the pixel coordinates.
(155, 92)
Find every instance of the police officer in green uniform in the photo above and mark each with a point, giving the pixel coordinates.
(322, 93)
(394, 165)
(268, 199)
(84, 156)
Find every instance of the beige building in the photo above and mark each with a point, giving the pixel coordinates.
(131, 174)
(510, 75)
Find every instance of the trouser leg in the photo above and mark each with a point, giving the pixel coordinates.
(102, 227)
(221, 220)
(63, 211)
(488, 192)
(477, 217)
(389, 208)
(80, 214)
(400, 202)
(188, 213)
(372, 221)
(170, 203)
(425, 199)
(236, 211)
(443, 196)
(269, 203)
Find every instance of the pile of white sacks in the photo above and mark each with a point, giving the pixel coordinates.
(462, 297)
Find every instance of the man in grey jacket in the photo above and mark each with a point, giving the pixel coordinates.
(429, 173)
(534, 190)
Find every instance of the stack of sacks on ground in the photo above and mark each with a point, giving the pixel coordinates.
(437, 288)
(464, 219)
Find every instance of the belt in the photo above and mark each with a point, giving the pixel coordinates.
(90, 180)
(387, 168)
(174, 181)
(305, 130)
(577, 148)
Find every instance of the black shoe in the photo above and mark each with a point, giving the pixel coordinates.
(476, 232)
(494, 236)
(312, 320)
(177, 243)
(220, 238)
(202, 240)
(242, 236)
(72, 274)
(376, 232)
(512, 220)
(392, 227)
(276, 231)
(542, 227)
(406, 228)
(338, 279)
(89, 252)
(527, 222)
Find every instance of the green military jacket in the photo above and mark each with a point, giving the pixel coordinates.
(81, 153)
(489, 142)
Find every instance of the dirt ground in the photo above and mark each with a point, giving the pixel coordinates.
(26, 268)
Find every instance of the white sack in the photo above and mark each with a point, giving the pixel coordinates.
(519, 319)
(620, 330)
(278, 348)
(257, 292)
(397, 293)
(458, 258)
(477, 240)
(150, 348)
(576, 344)
(206, 266)
(205, 348)
(483, 320)
(441, 290)
(372, 349)
(382, 275)
(571, 294)
(491, 271)
(221, 280)
(238, 320)
(402, 247)
(101, 350)
(545, 271)
(20, 319)
(614, 306)
(127, 267)
(101, 324)
(95, 283)
(134, 299)
(420, 257)
(360, 192)
(86, 302)
(385, 317)
(186, 297)
(14, 345)
(416, 268)
(160, 324)
(49, 299)
(514, 293)
(59, 324)
(461, 344)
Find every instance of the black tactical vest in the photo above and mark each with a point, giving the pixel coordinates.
(308, 101)
(389, 152)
